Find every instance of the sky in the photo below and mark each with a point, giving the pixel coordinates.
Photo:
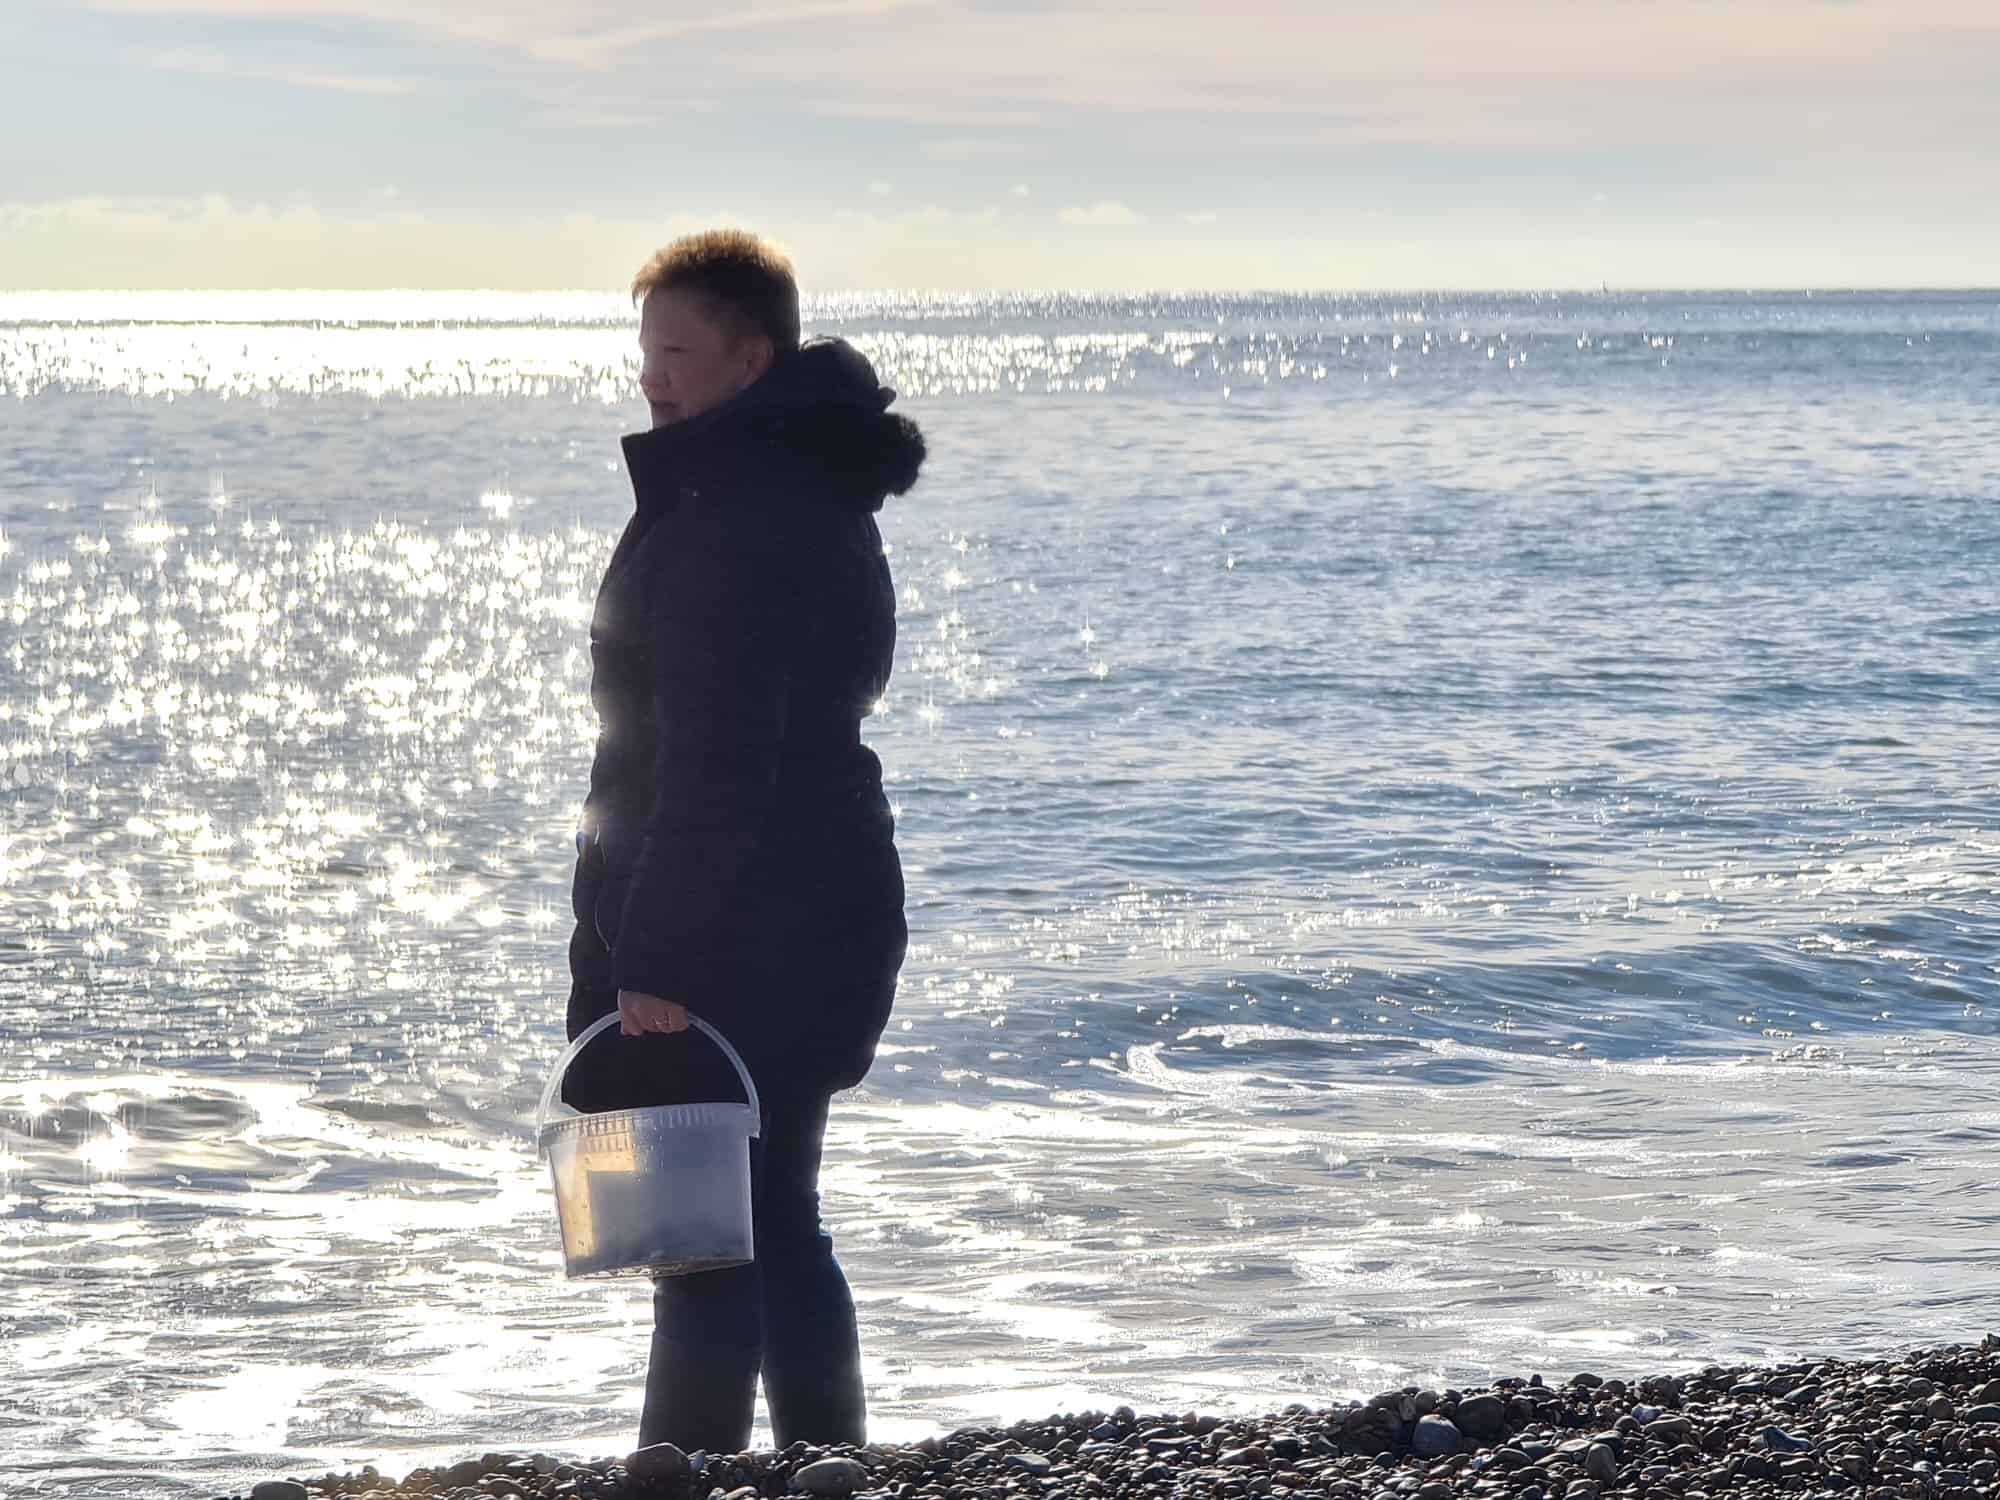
(980, 144)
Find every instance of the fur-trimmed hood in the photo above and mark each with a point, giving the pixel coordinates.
(819, 418)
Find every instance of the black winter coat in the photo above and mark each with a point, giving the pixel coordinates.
(737, 852)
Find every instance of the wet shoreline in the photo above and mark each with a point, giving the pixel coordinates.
(1923, 1425)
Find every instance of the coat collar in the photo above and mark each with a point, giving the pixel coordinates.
(819, 415)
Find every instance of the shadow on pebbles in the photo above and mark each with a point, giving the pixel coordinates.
(1925, 1426)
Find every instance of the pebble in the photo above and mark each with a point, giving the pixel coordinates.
(1599, 1462)
(1434, 1437)
(279, 1489)
(830, 1476)
(661, 1466)
(1481, 1416)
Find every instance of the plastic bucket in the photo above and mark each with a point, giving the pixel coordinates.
(651, 1192)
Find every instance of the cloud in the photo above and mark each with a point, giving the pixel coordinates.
(144, 243)
(973, 148)
(931, 218)
(210, 64)
(589, 34)
(880, 189)
(567, 115)
(1203, 217)
(601, 48)
(1471, 75)
(216, 242)
(1318, 121)
(1105, 215)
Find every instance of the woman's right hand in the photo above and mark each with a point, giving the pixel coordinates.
(640, 1013)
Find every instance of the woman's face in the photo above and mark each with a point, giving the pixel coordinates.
(689, 359)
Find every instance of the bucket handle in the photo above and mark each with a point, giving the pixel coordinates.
(589, 1035)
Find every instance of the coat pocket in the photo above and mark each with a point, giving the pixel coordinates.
(607, 906)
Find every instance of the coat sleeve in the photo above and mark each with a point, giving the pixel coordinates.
(719, 677)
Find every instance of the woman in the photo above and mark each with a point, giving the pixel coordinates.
(737, 855)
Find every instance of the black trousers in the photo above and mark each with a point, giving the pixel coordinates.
(787, 1317)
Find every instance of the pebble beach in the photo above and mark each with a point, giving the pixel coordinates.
(1921, 1426)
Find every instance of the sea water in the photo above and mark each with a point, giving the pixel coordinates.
(1446, 835)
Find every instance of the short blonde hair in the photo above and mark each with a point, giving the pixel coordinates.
(745, 280)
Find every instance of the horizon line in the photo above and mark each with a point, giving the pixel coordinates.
(1602, 289)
